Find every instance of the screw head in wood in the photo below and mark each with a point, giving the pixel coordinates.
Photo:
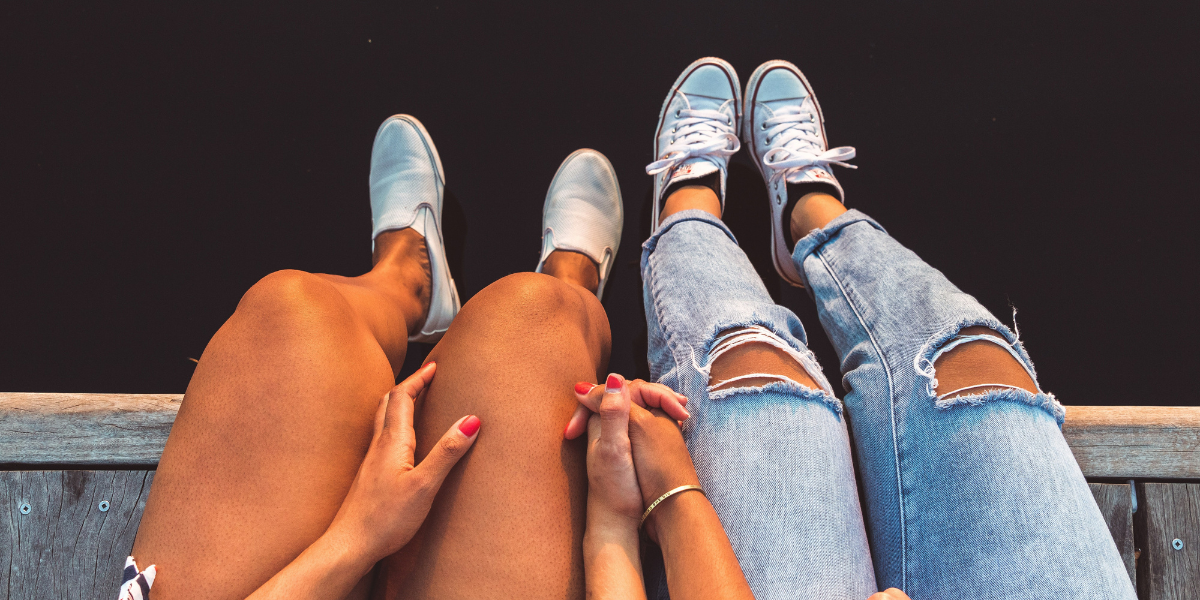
(25, 508)
(1177, 544)
(103, 506)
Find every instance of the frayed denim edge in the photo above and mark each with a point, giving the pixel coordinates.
(785, 387)
(946, 334)
(1042, 400)
(810, 364)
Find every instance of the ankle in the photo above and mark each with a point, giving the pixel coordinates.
(573, 267)
(812, 210)
(688, 197)
(401, 259)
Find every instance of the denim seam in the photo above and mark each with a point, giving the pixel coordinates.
(668, 334)
(887, 370)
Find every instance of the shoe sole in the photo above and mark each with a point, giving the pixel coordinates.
(662, 112)
(747, 126)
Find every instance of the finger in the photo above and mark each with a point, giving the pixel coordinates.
(380, 415)
(578, 423)
(417, 381)
(448, 450)
(657, 395)
(614, 412)
(589, 395)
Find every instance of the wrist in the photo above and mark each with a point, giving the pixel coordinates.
(347, 550)
(676, 509)
(607, 527)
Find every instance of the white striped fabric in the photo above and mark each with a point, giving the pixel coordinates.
(135, 584)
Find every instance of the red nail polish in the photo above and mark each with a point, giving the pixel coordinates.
(469, 426)
(612, 385)
(584, 387)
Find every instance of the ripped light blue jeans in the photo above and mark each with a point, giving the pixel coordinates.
(976, 497)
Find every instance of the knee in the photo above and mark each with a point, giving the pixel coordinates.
(287, 296)
(976, 366)
(743, 357)
(534, 298)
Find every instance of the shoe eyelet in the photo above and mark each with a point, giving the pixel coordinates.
(768, 140)
(730, 122)
(677, 113)
(672, 130)
(764, 126)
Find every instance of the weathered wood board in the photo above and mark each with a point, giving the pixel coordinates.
(1116, 504)
(1169, 515)
(58, 540)
(1132, 442)
(129, 430)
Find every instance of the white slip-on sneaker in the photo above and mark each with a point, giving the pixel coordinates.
(783, 126)
(407, 184)
(583, 212)
(697, 128)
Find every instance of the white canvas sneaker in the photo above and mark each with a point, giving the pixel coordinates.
(407, 183)
(783, 126)
(583, 212)
(697, 128)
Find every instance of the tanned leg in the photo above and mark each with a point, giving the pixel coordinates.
(508, 521)
(276, 421)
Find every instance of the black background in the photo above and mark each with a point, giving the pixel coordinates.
(157, 159)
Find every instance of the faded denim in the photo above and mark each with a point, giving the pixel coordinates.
(976, 496)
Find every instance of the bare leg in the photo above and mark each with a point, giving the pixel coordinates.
(508, 522)
(278, 416)
(276, 420)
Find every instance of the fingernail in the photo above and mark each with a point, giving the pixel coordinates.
(612, 385)
(584, 387)
(469, 426)
(428, 363)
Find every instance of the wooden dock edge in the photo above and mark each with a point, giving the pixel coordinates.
(75, 470)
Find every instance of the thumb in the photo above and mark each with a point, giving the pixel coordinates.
(448, 450)
(614, 411)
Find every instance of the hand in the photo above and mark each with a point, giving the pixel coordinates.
(660, 457)
(644, 394)
(889, 594)
(390, 497)
(614, 500)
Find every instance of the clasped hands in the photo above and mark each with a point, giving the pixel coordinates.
(635, 451)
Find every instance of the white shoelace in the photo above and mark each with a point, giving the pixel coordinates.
(706, 134)
(798, 146)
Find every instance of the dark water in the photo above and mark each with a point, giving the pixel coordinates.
(157, 160)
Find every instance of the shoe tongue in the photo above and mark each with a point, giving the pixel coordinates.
(693, 168)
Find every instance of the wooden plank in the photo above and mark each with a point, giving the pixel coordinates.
(1135, 442)
(65, 546)
(131, 429)
(85, 429)
(1169, 570)
(1116, 504)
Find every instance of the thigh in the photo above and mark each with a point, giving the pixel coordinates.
(274, 424)
(508, 521)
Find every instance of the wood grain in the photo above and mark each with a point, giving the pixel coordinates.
(130, 430)
(1171, 512)
(66, 547)
(1116, 504)
(85, 429)
(1135, 442)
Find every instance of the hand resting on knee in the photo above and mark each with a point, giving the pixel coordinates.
(387, 502)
